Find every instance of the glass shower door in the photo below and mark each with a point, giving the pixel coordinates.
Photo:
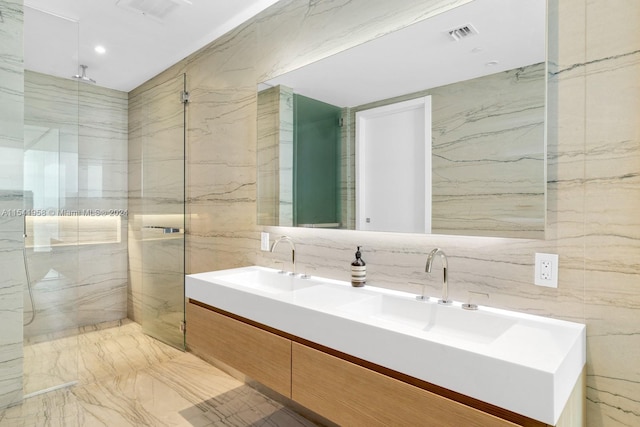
(163, 211)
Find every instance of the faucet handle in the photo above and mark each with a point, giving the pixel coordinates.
(421, 297)
(472, 306)
(306, 270)
(281, 270)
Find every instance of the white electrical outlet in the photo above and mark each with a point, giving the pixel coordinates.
(546, 270)
(264, 241)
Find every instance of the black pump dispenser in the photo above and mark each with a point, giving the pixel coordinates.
(358, 270)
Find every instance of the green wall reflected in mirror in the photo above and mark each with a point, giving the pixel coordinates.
(316, 145)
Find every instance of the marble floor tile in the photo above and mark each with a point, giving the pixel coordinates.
(126, 378)
(56, 408)
(50, 363)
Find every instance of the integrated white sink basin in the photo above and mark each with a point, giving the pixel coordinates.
(435, 320)
(266, 281)
(526, 364)
(323, 296)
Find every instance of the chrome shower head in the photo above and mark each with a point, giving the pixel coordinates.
(83, 75)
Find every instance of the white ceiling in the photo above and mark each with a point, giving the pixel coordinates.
(511, 34)
(62, 34)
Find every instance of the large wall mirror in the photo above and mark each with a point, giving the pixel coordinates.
(436, 128)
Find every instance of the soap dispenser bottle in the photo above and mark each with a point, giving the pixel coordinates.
(358, 271)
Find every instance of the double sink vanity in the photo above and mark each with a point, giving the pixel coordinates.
(373, 356)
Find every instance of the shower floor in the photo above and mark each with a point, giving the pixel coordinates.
(125, 378)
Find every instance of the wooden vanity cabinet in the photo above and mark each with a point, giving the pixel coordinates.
(353, 395)
(259, 354)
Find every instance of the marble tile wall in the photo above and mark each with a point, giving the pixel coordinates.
(286, 163)
(593, 191)
(268, 153)
(92, 126)
(275, 156)
(611, 71)
(11, 240)
(488, 173)
(348, 170)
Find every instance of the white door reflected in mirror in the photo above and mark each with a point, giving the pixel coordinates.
(393, 165)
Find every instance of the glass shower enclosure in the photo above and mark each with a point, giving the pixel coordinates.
(103, 206)
(157, 209)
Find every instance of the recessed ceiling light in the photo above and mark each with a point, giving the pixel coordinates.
(100, 49)
(491, 63)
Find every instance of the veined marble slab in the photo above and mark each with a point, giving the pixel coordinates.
(11, 142)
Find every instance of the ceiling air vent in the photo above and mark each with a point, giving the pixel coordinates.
(462, 32)
(155, 9)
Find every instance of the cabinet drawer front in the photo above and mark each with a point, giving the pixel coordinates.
(259, 354)
(349, 394)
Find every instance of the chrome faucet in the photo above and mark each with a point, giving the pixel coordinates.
(445, 288)
(293, 251)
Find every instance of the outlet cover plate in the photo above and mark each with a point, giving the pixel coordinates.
(264, 241)
(546, 270)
